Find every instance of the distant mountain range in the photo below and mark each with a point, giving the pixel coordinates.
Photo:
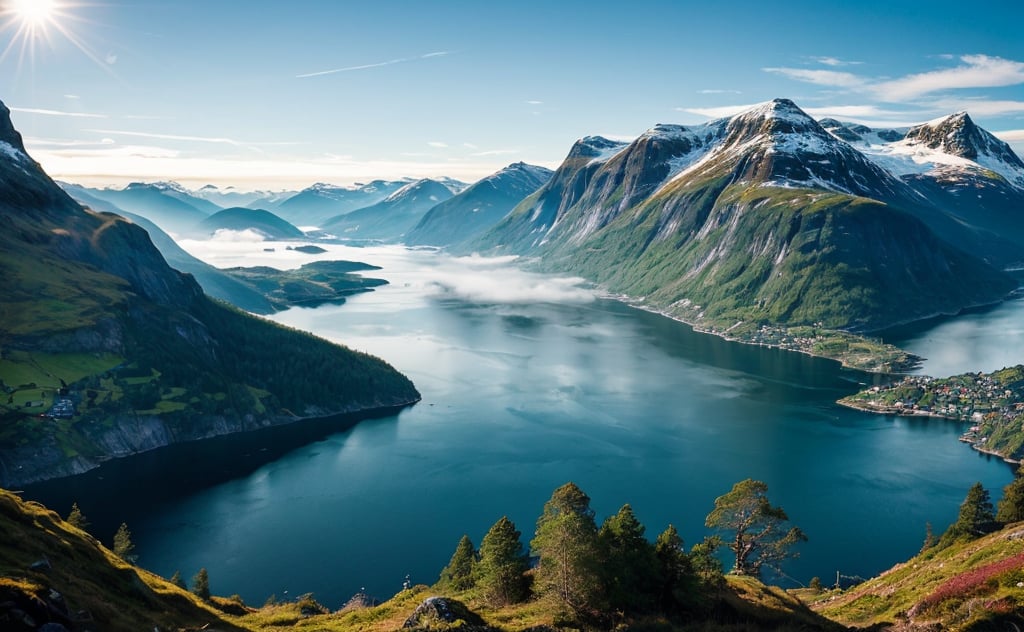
(392, 217)
(95, 319)
(769, 216)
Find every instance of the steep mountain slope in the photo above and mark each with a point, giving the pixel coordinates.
(764, 217)
(478, 207)
(160, 203)
(142, 354)
(314, 205)
(239, 219)
(966, 172)
(391, 218)
(214, 282)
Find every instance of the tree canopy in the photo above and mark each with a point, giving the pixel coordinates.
(759, 534)
(503, 564)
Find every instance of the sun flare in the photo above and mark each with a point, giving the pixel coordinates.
(38, 25)
(34, 12)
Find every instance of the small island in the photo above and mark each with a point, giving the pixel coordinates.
(992, 403)
(313, 284)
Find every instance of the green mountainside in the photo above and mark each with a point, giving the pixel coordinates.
(107, 351)
(764, 228)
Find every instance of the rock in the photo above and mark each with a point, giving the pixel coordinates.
(441, 613)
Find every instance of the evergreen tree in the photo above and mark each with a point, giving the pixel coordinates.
(759, 534)
(123, 546)
(503, 565)
(178, 581)
(675, 569)
(1011, 506)
(566, 543)
(458, 575)
(977, 517)
(929, 538)
(201, 585)
(76, 519)
(704, 558)
(629, 567)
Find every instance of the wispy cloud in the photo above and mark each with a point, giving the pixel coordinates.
(194, 139)
(718, 91)
(72, 96)
(1011, 135)
(58, 113)
(438, 144)
(380, 64)
(833, 78)
(496, 152)
(981, 107)
(977, 71)
(834, 61)
(535, 103)
(717, 112)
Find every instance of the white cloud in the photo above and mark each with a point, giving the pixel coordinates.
(981, 107)
(834, 61)
(535, 102)
(832, 78)
(438, 144)
(476, 279)
(72, 96)
(496, 152)
(715, 91)
(45, 112)
(111, 59)
(247, 236)
(719, 111)
(977, 71)
(380, 64)
(1010, 135)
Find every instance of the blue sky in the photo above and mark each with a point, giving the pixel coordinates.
(276, 94)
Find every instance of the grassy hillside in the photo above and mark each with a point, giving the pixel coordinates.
(977, 585)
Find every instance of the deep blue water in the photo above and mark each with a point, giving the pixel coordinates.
(527, 383)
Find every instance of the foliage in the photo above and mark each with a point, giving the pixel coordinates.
(1011, 505)
(629, 567)
(459, 574)
(675, 573)
(976, 518)
(503, 564)
(978, 581)
(76, 519)
(123, 546)
(759, 537)
(178, 581)
(566, 543)
(201, 584)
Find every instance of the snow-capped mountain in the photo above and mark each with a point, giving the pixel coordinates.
(315, 204)
(478, 207)
(391, 218)
(228, 197)
(766, 215)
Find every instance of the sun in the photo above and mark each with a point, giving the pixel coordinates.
(37, 25)
(34, 12)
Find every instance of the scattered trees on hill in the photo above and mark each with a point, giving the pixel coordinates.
(759, 534)
(587, 572)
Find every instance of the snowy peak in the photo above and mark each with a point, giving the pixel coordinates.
(425, 188)
(957, 135)
(596, 148)
(779, 116)
(522, 170)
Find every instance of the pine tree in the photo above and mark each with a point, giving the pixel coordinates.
(976, 518)
(675, 569)
(76, 519)
(458, 575)
(566, 543)
(503, 565)
(629, 564)
(706, 564)
(123, 546)
(201, 585)
(1011, 506)
(178, 581)
(759, 534)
